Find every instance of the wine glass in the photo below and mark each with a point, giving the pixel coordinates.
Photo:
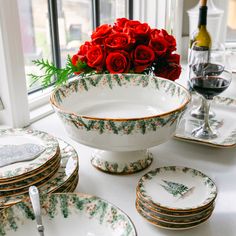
(208, 79)
(214, 55)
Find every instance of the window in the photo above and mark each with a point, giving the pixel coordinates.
(52, 29)
(35, 35)
(231, 22)
(43, 37)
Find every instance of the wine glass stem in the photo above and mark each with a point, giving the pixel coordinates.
(207, 104)
(203, 107)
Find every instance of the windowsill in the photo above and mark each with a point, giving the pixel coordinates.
(39, 98)
(40, 112)
(39, 105)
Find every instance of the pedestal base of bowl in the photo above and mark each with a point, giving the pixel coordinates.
(121, 162)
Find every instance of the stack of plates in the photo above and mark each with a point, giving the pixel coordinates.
(34, 158)
(175, 198)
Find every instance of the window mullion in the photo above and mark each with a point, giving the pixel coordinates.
(96, 13)
(131, 8)
(54, 32)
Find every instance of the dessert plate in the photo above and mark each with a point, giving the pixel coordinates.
(177, 188)
(167, 225)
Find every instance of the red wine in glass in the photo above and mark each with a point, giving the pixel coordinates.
(209, 80)
(209, 86)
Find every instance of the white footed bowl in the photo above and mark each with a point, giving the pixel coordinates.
(123, 114)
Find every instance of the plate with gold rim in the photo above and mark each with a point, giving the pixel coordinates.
(173, 219)
(17, 185)
(71, 187)
(25, 189)
(173, 214)
(20, 137)
(74, 179)
(68, 214)
(177, 188)
(32, 174)
(169, 226)
(223, 122)
(69, 167)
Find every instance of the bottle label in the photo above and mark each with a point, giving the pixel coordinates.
(198, 55)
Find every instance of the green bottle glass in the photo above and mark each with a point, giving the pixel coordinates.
(200, 42)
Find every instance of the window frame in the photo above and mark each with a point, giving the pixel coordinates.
(13, 90)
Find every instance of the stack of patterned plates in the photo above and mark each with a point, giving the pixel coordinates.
(30, 157)
(175, 198)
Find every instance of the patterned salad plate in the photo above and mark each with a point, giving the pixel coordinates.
(64, 179)
(176, 198)
(68, 214)
(224, 122)
(25, 152)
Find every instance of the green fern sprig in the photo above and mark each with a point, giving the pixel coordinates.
(58, 76)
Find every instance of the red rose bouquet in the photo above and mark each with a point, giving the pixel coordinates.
(128, 46)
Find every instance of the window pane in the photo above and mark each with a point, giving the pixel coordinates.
(75, 25)
(112, 9)
(231, 22)
(35, 35)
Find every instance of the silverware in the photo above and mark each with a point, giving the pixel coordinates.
(34, 197)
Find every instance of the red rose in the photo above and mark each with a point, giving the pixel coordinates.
(173, 58)
(119, 41)
(118, 62)
(100, 33)
(142, 29)
(74, 59)
(96, 57)
(159, 45)
(171, 72)
(83, 51)
(170, 40)
(155, 33)
(130, 26)
(120, 22)
(142, 33)
(143, 57)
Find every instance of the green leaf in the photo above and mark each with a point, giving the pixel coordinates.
(142, 126)
(113, 127)
(117, 78)
(101, 126)
(109, 81)
(83, 82)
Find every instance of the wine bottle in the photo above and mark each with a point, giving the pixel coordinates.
(200, 42)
